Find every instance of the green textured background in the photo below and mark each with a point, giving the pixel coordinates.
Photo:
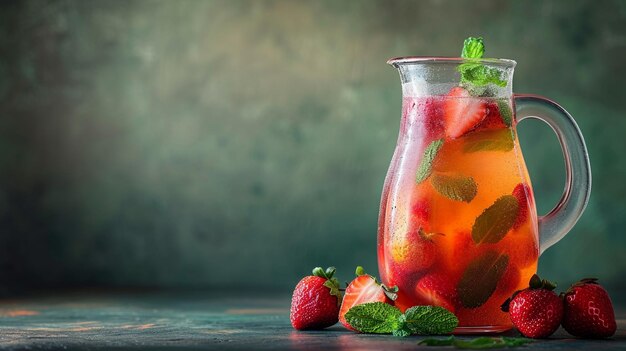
(240, 143)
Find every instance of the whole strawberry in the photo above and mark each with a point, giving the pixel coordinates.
(535, 311)
(316, 300)
(588, 310)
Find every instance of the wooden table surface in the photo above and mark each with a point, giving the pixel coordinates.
(206, 321)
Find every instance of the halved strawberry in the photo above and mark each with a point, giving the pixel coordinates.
(521, 192)
(437, 290)
(462, 112)
(363, 289)
(463, 250)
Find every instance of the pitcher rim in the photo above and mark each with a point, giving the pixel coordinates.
(507, 63)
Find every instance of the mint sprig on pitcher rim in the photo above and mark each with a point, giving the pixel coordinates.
(474, 73)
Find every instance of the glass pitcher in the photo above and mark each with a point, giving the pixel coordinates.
(458, 226)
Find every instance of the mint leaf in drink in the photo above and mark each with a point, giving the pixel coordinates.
(479, 74)
(425, 167)
(475, 73)
(430, 320)
(489, 140)
(374, 317)
(455, 187)
(473, 48)
(481, 277)
(496, 220)
(505, 112)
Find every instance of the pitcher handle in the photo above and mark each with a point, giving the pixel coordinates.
(560, 220)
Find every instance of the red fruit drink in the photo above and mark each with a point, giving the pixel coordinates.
(457, 225)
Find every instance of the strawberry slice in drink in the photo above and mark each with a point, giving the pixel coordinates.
(493, 119)
(510, 280)
(420, 212)
(363, 289)
(462, 112)
(437, 290)
(415, 251)
(521, 192)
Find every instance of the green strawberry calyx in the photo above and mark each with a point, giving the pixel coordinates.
(535, 283)
(331, 282)
(582, 282)
(428, 236)
(390, 292)
(538, 283)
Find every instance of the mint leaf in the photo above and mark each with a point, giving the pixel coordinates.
(430, 320)
(486, 342)
(505, 112)
(475, 73)
(481, 277)
(479, 74)
(480, 343)
(402, 331)
(489, 140)
(374, 317)
(455, 187)
(473, 48)
(425, 166)
(513, 342)
(449, 341)
(496, 220)
(382, 318)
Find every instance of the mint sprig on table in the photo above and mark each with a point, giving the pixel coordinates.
(480, 343)
(475, 73)
(382, 318)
